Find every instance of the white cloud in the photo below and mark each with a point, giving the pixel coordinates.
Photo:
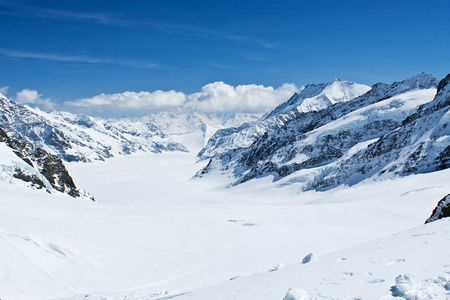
(4, 90)
(33, 97)
(158, 100)
(221, 97)
(217, 97)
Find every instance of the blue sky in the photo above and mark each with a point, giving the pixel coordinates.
(63, 51)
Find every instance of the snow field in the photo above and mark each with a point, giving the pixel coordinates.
(155, 232)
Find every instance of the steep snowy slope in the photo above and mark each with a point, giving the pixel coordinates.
(23, 164)
(313, 97)
(316, 141)
(80, 137)
(194, 129)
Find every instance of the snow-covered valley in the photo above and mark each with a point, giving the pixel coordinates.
(155, 232)
(325, 197)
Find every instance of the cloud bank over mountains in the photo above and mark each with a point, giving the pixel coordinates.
(217, 97)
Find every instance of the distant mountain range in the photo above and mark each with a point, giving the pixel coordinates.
(327, 135)
(80, 137)
(387, 130)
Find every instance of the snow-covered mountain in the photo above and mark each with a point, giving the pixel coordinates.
(313, 97)
(23, 163)
(420, 144)
(80, 137)
(194, 129)
(324, 148)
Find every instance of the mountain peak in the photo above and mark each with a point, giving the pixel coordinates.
(443, 84)
(319, 96)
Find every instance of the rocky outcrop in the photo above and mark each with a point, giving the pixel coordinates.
(442, 210)
(48, 165)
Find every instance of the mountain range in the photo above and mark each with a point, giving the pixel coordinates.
(82, 138)
(390, 130)
(327, 135)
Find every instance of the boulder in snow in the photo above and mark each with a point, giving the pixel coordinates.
(308, 258)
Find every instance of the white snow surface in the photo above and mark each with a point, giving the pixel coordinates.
(156, 233)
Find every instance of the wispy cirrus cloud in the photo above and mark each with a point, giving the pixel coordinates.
(78, 58)
(111, 20)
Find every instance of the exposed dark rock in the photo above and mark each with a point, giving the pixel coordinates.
(32, 178)
(47, 164)
(442, 210)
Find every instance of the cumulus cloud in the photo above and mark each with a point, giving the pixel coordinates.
(4, 90)
(217, 97)
(252, 98)
(158, 100)
(27, 96)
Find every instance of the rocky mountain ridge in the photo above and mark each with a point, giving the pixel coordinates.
(80, 137)
(323, 149)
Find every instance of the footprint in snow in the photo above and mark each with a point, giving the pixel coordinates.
(399, 260)
(242, 222)
(376, 281)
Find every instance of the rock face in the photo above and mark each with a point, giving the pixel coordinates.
(80, 137)
(442, 210)
(390, 130)
(40, 162)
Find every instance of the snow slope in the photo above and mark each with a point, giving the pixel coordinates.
(412, 264)
(155, 232)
